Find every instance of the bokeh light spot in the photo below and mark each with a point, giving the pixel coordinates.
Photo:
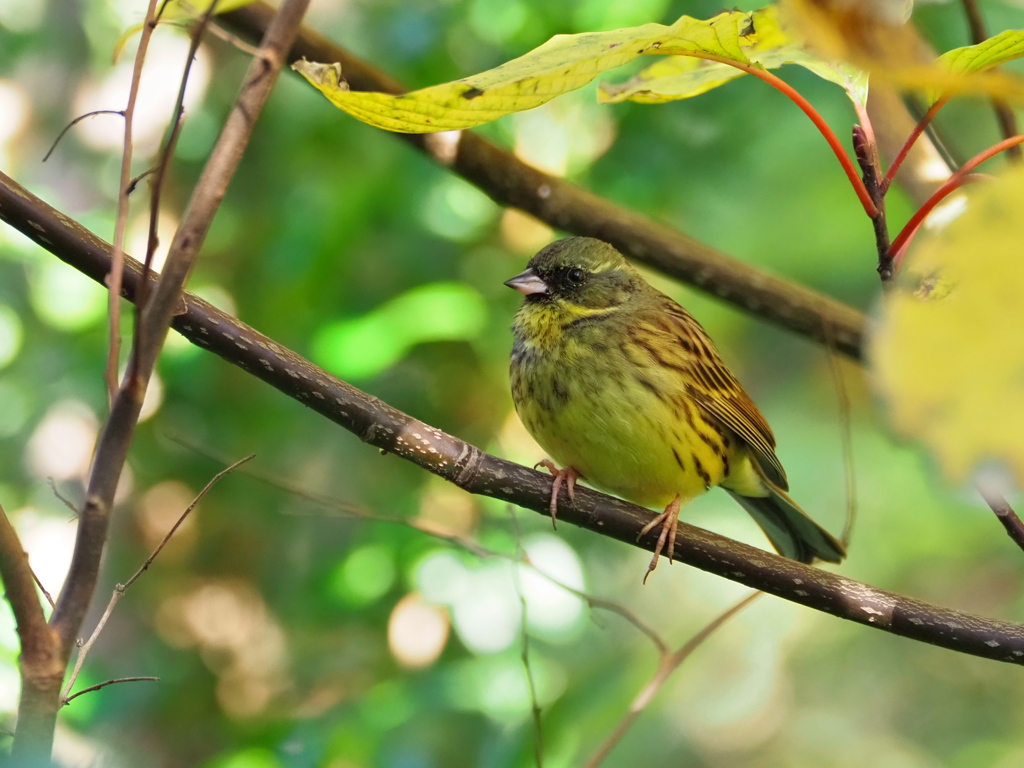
(456, 210)
(365, 346)
(16, 408)
(61, 445)
(10, 335)
(417, 632)
(64, 298)
(364, 576)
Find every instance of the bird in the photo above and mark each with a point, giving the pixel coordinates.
(625, 390)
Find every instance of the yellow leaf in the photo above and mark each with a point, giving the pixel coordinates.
(755, 38)
(948, 351)
(874, 36)
(563, 64)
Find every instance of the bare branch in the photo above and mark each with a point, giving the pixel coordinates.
(121, 223)
(470, 545)
(120, 589)
(524, 643)
(666, 666)
(61, 497)
(96, 687)
(47, 595)
(181, 519)
(75, 122)
(377, 423)
(1004, 512)
(509, 181)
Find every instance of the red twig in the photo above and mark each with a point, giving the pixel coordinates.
(909, 143)
(951, 184)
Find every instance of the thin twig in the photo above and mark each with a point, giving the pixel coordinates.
(121, 223)
(866, 152)
(469, 545)
(206, 489)
(75, 122)
(1005, 115)
(42, 589)
(923, 123)
(96, 687)
(1004, 512)
(85, 647)
(160, 177)
(524, 642)
(61, 497)
(120, 589)
(846, 441)
(666, 666)
(951, 184)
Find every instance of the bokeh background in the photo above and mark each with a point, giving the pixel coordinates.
(292, 633)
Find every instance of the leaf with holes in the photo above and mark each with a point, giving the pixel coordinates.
(564, 63)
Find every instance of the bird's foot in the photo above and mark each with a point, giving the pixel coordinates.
(669, 522)
(566, 477)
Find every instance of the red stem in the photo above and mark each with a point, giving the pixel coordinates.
(833, 141)
(952, 183)
(909, 143)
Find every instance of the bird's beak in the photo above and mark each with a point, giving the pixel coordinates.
(527, 283)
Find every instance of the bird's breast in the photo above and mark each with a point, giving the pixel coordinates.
(625, 423)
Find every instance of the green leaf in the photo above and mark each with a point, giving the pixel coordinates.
(971, 59)
(997, 50)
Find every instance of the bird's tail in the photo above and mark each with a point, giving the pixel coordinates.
(791, 531)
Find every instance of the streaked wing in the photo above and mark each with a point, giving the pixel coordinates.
(721, 396)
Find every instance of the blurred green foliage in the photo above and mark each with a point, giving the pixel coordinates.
(280, 626)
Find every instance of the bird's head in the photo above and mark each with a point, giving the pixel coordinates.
(579, 276)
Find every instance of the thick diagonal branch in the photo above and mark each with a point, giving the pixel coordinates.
(509, 181)
(477, 472)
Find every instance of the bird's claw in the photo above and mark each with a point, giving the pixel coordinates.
(669, 522)
(567, 477)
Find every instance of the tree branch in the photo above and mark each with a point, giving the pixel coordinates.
(511, 182)
(477, 472)
(41, 661)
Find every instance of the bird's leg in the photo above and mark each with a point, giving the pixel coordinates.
(669, 522)
(568, 477)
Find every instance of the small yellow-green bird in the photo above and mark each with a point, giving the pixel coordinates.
(623, 388)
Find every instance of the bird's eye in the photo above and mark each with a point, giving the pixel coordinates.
(576, 276)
